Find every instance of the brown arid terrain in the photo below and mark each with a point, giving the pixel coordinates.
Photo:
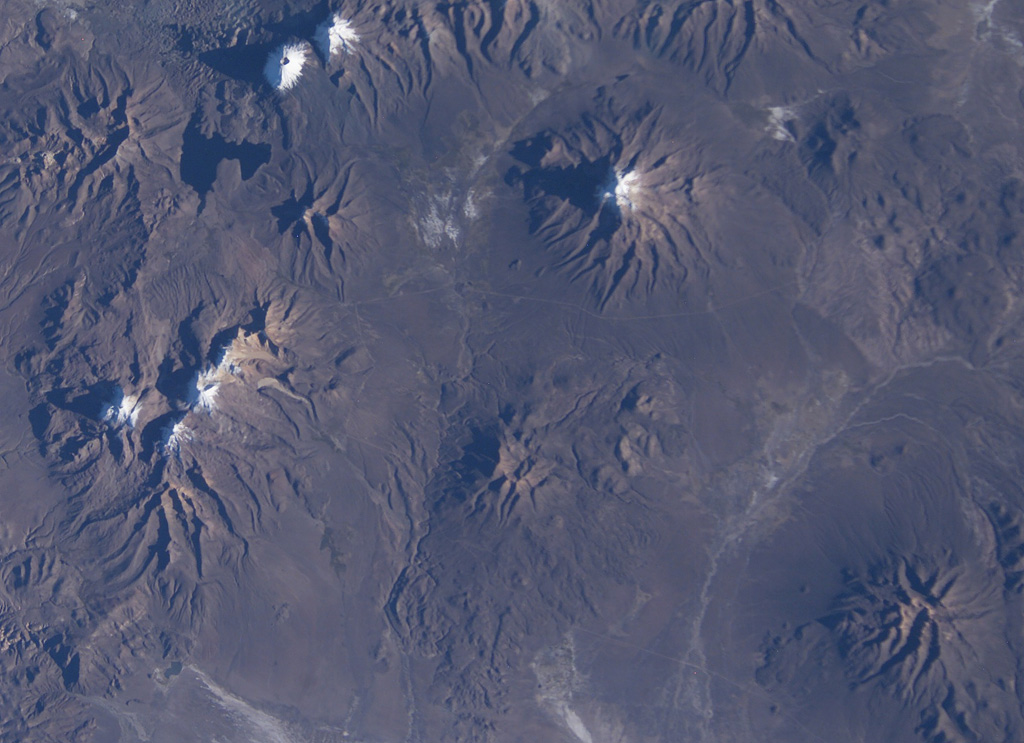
(562, 371)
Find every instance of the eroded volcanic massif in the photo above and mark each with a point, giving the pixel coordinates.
(570, 371)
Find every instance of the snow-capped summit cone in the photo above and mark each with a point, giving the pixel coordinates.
(175, 436)
(122, 410)
(335, 36)
(285, 65)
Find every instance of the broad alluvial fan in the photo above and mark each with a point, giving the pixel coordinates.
(511, 370)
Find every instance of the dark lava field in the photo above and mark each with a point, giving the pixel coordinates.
(524, 371)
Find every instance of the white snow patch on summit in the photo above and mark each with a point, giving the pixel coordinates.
(285, 64)
(626, 189)
(206, 388)
(623, 188)
(206, 384)
(122, 410)
(175, 436)
(335, 36)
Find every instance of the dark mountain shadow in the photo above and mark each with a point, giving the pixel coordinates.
(200, 156)
(90, 403)
(289, 214)
(243, 62)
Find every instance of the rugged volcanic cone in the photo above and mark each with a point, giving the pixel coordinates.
(285, 65)
(335, 36)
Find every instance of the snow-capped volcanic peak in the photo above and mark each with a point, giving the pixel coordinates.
(626, 189)
(122, 410)
(623, 188)
(175, 436)
(206, 388)
(285, 64)
(335, 36)
(206, 384)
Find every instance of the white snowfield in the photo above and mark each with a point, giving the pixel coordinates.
(175, 436)
(122, 410)
(202, 396)
(335, 36)
(206, 388)
(626, 188)
(206, 384)
(285, 65)
(623, 189)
